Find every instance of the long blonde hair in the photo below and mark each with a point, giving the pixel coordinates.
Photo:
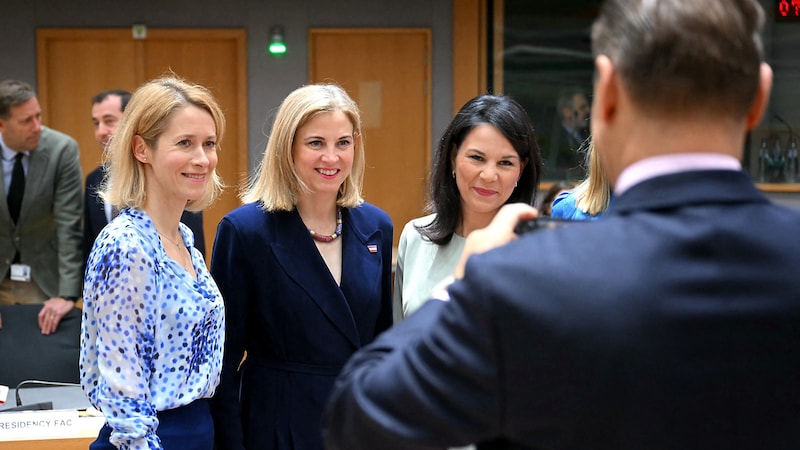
(593, 195)
(277, 183)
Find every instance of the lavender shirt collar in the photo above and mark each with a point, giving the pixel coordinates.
(667, 164)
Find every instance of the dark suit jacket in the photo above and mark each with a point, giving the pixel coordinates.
(94, 216)
(298, 327)
(671, 323)
(566, 156)
(48, 232)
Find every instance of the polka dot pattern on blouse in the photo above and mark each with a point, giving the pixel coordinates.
(152, 336)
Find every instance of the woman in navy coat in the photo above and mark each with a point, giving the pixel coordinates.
(305, 271)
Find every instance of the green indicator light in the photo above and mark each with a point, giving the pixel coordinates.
(276, 45)
(277, 48)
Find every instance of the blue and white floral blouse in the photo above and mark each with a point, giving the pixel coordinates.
(152, 336)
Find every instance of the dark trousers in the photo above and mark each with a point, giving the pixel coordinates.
(186, 428)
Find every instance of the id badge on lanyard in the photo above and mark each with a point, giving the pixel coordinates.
(21, 272)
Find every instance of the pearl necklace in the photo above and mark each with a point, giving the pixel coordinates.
(336, 234)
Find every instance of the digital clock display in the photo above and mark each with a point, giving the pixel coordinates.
(787, 10)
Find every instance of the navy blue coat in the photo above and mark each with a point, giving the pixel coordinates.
(298, 327)
(94, 216)
(673, 322)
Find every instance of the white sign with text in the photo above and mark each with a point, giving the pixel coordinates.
(30, 425)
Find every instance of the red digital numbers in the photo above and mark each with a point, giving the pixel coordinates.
(787, 10)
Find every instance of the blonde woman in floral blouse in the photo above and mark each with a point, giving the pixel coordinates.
(153, 318)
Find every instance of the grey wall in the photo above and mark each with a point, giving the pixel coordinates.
(269, 79)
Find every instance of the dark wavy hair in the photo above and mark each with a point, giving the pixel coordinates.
(510, 119)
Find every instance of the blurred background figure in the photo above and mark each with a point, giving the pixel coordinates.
(570, 132)
(590, 199)
(40, 230)
(556, 189)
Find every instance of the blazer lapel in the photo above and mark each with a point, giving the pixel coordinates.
(299, 257)
(362, 254)
(5, 215)
(37, 170)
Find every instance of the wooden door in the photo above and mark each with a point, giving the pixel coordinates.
(75, 64)
(387, 72)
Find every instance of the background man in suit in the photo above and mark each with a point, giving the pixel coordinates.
(107, 109)
(569, 134)
(666, 324)
(40, 229)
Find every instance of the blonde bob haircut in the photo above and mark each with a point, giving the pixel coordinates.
(277, 184)
(148, 114)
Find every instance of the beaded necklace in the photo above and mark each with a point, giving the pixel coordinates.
(336, 234)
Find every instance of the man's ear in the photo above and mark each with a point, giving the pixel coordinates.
(139, 149)
(759, 105)
(606, 90)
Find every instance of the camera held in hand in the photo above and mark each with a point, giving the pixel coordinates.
(542, 223)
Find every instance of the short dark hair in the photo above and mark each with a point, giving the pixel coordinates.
(14, 92)
(567, 95)
(124, 97)
(510, 119)
(670, 53)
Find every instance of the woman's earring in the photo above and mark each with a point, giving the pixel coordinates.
(454, 174)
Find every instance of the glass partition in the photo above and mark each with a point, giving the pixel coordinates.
(541, 56)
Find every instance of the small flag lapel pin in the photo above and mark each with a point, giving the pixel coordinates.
(372, 248)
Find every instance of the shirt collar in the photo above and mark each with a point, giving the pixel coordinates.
(9, 154)
(668, 164)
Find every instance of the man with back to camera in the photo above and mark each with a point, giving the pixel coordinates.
(107, 109)
(40, 227)
(673, 322)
